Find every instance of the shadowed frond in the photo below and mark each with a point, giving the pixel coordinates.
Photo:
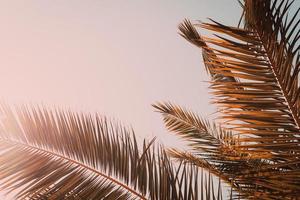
(53, 154)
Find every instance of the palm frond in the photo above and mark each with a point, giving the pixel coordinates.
(212, 170)
(189, 32)
(262, 103)
(213, 148)
(54, 154)
(279, 34)
(200, 133)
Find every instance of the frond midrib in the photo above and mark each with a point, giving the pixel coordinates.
(116, 181)
(280, 84)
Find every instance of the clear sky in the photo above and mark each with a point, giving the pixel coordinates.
(107, 56)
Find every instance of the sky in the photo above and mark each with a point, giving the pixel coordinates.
(111, 57)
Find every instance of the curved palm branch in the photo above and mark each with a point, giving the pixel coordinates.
(53, 154)
(255, 73)
(213, 147)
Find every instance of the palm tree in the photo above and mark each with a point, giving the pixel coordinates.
(255, 147)
(55, 154)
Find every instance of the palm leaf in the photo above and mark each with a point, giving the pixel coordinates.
(202, 135)
(258, 92)
(54, 154)
(213, 147)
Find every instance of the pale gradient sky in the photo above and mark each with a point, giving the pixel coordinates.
(106, 56)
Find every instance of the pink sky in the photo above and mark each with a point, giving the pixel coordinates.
(111, 57)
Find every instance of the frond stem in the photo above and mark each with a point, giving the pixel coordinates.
(77, 163)
(289, 104)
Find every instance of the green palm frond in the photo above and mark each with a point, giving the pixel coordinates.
(54, 154)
